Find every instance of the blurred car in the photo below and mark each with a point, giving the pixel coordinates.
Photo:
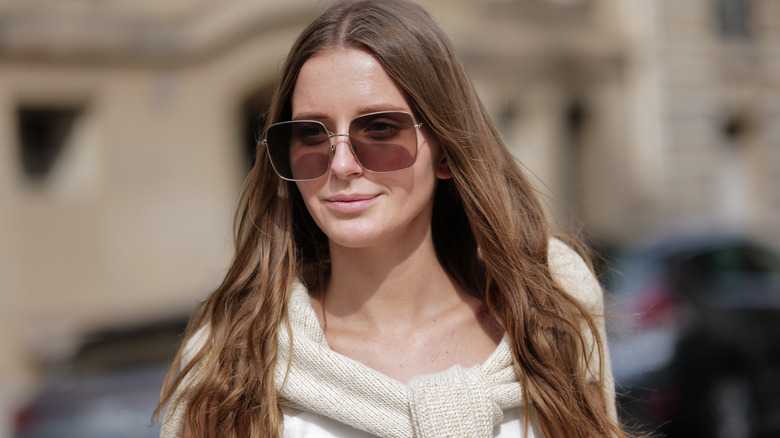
(695, 337)
(108, 389)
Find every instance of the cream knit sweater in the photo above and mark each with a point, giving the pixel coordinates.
(458, 402)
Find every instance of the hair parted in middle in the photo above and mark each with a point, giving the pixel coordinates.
(489, 231)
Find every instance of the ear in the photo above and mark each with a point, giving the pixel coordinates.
(443, 169)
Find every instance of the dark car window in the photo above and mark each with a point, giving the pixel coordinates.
(757, 260)
(743, 274)
(743, 260)
(131, 349)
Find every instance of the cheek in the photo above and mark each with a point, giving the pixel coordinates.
(308, 191)
(438, 163)
(307, 188)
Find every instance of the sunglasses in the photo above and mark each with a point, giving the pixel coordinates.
(302, 150)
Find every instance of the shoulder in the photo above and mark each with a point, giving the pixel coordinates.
(574, 275)
(195, 343)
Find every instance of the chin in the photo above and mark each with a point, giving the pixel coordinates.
(360, 237)
(355, 241)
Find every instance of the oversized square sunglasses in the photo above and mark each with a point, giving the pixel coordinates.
(302, 150)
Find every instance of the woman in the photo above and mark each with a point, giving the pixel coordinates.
(394, 273)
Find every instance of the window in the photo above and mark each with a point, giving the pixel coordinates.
(733, 18)
(43, 133)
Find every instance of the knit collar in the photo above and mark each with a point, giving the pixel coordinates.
(457, 402)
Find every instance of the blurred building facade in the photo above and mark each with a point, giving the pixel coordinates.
(126, 129)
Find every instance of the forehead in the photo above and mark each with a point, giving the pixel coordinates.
(345, 82)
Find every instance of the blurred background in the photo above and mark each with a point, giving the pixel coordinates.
(652, 128)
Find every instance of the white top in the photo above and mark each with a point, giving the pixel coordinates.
(303, 424)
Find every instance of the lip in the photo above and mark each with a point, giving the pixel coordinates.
(350, 202)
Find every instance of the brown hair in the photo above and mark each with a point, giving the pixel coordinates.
(489, 231)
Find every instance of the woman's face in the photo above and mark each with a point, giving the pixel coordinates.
(356, 208)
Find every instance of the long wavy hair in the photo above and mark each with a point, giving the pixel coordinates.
(489, 231)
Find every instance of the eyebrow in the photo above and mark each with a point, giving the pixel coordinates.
(318, 116)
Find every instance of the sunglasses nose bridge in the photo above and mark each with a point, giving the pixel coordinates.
(334, 142)
(338, 163)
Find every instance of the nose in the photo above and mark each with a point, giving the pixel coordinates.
(344, 163)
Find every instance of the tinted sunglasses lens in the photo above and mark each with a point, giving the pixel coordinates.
(384, 142)
(299, 150)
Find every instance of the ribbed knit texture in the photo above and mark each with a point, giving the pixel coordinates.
(456, 403)
(459, 402)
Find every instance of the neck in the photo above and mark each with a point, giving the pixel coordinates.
(388, 286)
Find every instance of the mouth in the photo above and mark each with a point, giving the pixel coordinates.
(350, 203)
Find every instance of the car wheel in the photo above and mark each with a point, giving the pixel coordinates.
(730, 407)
